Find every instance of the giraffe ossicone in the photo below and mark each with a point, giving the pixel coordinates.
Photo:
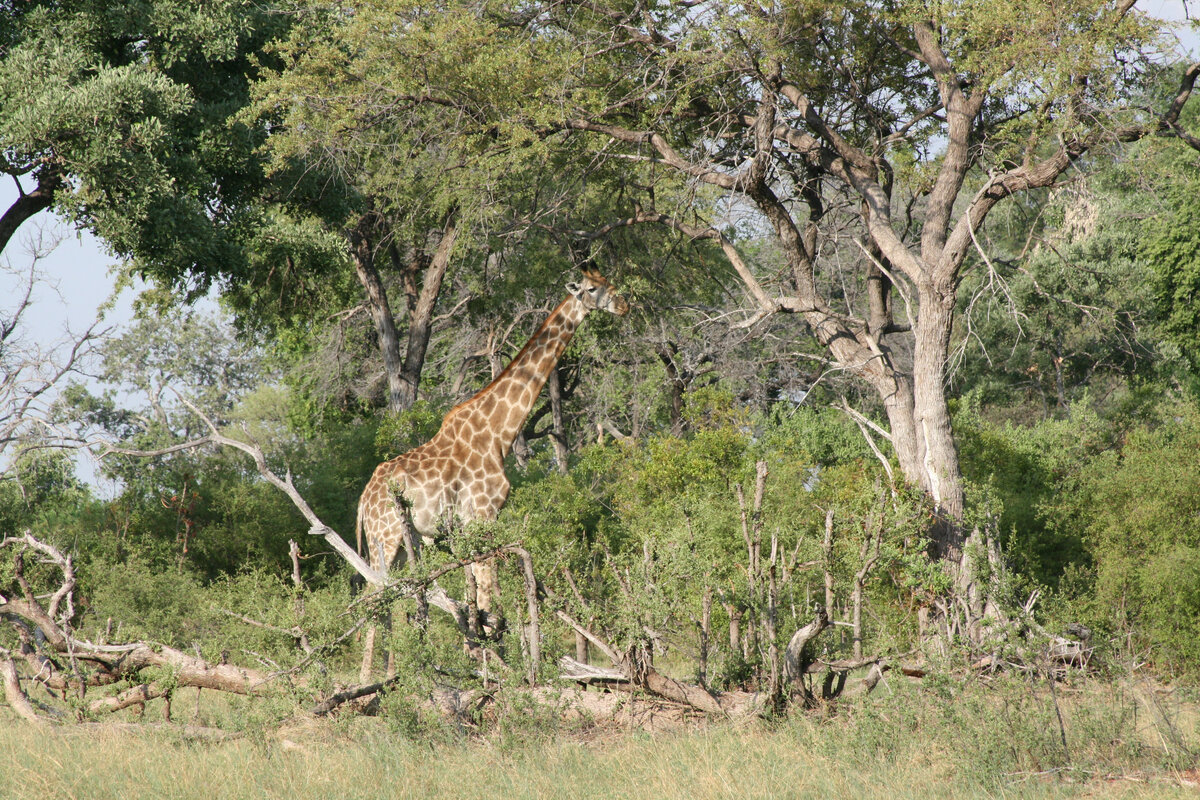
(460, 471)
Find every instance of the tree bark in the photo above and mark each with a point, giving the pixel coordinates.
(362, 252)
(25, 206)
(420, 322)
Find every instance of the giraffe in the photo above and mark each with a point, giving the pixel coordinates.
(460, 471)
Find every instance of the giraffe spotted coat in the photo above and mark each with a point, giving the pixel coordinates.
(460, 471)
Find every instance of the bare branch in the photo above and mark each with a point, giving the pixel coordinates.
(668, 154)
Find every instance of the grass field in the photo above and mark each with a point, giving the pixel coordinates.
(914, 742)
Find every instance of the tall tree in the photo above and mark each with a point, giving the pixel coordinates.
(369, 138)
(918, 118)
(410, 134)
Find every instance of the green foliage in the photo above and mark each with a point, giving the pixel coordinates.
(1023, 469)
(1072, 317)
(1136, 508)
(639, 537)
(38, 490)
(399, 433)
(1169, 239)
(822, 436)
(1091, 291)
(127, 113)
(208, 508)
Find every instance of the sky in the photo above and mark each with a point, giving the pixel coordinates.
(74, 278)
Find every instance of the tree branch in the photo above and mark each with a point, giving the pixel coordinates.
(28, 204)
(668, 154)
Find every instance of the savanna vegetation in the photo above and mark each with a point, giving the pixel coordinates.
(893, 463)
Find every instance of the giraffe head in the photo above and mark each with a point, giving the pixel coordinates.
(594, 291)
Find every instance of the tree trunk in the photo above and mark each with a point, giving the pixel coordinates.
(940, 474)
(420, 323)
(362, 251)
(676, 383)
(558, 436)
(735, 626)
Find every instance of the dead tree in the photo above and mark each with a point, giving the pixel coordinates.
(29, 374)
(63, 663)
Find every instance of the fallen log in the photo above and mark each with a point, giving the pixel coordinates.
(572, 670)
(186, 670)
(689, 694)
(350, 693)
(15, 695)
(46, 642)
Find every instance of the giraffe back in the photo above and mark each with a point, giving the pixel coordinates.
(458, 473)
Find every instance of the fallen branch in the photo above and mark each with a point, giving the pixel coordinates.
(647, 677)
(44, 636)
(138, 695)
(352, 693)
(15, 695)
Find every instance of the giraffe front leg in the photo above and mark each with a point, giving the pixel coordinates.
(484, 601)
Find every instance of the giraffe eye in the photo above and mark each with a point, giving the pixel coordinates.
(593, 289)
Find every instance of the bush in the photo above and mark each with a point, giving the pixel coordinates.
(1138, 510)
(640, 537)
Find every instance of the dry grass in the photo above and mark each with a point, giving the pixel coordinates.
(905, 745)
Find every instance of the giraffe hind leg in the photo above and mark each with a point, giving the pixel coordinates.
(407, 550)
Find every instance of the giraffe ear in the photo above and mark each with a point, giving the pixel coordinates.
(574, 288)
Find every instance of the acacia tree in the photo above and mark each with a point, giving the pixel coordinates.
(917, 117)
(380, 132)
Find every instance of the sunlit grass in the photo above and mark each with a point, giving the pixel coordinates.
(914, 743)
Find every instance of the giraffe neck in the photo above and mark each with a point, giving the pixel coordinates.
(508, 399)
